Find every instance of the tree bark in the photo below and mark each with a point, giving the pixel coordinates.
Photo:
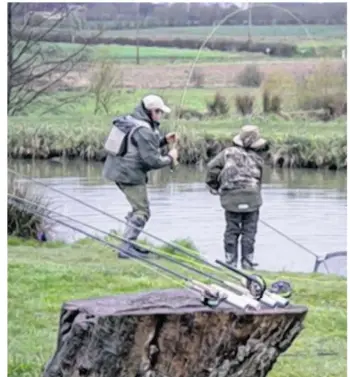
(169, 333)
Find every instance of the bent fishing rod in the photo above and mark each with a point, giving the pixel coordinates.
(256, 294)
(253, 281)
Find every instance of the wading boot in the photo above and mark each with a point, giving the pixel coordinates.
(231, 255)
(247, 262)
(127, 249)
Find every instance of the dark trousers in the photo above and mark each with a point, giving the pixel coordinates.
(244, 224)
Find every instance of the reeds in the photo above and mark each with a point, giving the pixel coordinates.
(21, 220)
(298, 143)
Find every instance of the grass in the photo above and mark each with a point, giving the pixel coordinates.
(295, 143)
(157, 55)
(43, 276)
(160, 55)
(79, 133)
(292, 31)
(328, 40)
(124, 100)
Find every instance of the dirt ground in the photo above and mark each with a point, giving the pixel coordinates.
(175, 76)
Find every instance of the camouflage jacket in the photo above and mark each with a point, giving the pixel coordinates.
(236, 174)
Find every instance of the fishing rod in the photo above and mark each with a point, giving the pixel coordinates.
(211, 295)
(229, 286)
(170, 244)
(289, 238)
(317, 257)
(209, 298)
(254, 284)
(257, 282)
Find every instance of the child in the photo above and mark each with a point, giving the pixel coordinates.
(236, 174)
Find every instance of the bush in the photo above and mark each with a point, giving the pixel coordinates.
(188, 114)
(324, 89)
(278, 85)
(271, 103)
(21, 221)
(197, 78)
(103, 83)
(219, 106)
(245, 104)
(250, 76)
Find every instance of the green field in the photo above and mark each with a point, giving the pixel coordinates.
(162, 55)
(276, 31)
(157, 55)
(82, 103)
(312, 40)
(42, 277)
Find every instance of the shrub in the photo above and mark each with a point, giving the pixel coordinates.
(21, 221)
(276, 86)
(271, 103)
(276, 104)
(245, 104)
(197, 78)
(324, 89)
(103, 83)
(250, 76)
(182, 113)
(219, 106)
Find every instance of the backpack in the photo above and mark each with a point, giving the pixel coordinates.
(117, 140)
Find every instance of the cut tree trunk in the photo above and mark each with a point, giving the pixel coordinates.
(169, 333)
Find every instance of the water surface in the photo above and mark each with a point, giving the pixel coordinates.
(307, 205)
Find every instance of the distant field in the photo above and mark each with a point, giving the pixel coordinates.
(181, 44)
(157, 54)
(278, 31)
(150, 76)
(161, 55)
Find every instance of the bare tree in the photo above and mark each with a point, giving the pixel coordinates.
(32, 70)
(106, 78)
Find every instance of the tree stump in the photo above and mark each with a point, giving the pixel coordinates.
(169, 333)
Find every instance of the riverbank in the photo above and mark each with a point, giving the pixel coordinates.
(42, 276)
(294, 143)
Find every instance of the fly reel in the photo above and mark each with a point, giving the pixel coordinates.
(256, 285)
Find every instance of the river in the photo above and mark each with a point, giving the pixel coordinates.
(307, 205)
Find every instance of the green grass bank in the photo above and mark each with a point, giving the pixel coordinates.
(294, 143)
(43, 276)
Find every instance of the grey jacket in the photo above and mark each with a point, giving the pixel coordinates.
(143, 150)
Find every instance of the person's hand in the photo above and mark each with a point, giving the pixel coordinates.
(171, 137)
(174, 154)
